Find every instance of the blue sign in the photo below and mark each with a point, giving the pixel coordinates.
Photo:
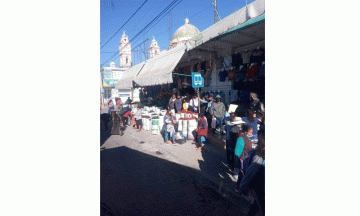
(197, 80)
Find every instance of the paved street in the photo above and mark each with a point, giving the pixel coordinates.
(140, 175)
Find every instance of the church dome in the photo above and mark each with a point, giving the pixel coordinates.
(112, 64)
(185, 32)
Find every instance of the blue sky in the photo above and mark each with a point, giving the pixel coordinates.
(114, 13)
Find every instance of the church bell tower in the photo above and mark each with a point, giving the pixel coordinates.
(125, 52)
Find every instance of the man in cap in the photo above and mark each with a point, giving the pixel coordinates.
(218, 111)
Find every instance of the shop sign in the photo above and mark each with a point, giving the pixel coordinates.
(197, 80)
(110, 82)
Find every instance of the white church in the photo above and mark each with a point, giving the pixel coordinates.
(111, 74)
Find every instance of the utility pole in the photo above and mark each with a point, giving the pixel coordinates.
(216, 14)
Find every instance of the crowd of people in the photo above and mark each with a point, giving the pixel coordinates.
(241, 134)
(246, 162)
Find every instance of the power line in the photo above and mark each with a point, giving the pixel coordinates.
(124, 24)
(145, 16)
(200, 11)
(157, 17)
(165, 30)
(189, 18)
(165, 14)
(147, 26)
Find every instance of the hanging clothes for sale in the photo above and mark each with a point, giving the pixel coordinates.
(207, 78)
(228, 61)
(222, 75)
(246, 56)
(231, 74)
(251, 71)
(240, 78)
(258, 55)
(237, 60)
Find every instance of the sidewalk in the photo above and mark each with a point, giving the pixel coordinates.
(210, 161)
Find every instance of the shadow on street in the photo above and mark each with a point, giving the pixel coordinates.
(135, 183)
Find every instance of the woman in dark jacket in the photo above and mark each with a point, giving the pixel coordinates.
(254, 178)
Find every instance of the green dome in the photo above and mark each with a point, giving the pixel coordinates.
(186, 31)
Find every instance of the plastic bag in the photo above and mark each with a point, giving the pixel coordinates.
(213, 123)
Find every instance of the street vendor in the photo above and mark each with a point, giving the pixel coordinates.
(194, 103)
(201, 131)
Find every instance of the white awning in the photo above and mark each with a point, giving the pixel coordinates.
(158, 70)
(250, 11)
(128, 77)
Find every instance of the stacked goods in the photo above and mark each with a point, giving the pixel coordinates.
(157, 110)
(155, 129)
(180, 127)
(192, 125)
(143, 120)
(153, 115)
(182, 115)
(146, 122)
(161, 122)
(185, 128)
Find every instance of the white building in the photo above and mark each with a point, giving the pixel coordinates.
(125, 52)
(154, 48)
(112, 74)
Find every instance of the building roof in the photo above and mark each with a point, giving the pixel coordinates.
(185, 32)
